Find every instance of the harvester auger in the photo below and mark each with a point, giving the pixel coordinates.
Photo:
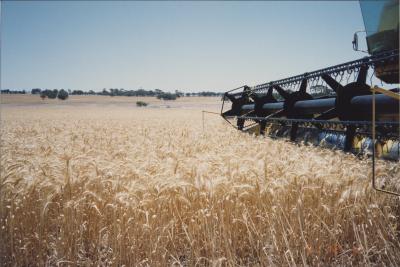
(336, 106)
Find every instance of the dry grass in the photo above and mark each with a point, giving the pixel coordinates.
(146, 187)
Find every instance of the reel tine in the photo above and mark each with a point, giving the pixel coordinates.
(362, 75)
(269, 93)
(231, 98)
(303, 86)
(337, 87)
(282, 92)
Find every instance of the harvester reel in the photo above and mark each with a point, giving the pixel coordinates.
(344, 94)
(345, 115)
(291, 98)
(238, 102)
(260, 101)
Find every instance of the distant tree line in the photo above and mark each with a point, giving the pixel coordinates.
(168, 96)
(52, 94)
(204, 93)
(8, 91)
(317, 90)
(64, 93)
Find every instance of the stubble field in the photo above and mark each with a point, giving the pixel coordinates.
(115, 185)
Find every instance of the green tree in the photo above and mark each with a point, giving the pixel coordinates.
(62, 94)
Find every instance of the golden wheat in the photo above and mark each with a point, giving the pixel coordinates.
(147, 187)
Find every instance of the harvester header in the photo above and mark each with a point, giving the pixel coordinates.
(333, 106)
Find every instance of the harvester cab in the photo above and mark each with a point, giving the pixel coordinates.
(381, 21)
(350, 114)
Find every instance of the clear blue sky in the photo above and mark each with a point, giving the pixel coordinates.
(189, 46)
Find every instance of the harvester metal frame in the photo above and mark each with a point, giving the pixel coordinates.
(397, 97)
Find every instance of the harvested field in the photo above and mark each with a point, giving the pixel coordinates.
(118, 185)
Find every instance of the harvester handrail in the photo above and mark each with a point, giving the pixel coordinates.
(395, 96)
(337, 69)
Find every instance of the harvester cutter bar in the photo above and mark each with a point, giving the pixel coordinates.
(386, 127)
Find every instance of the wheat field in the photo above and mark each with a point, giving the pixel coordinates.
(100, 185)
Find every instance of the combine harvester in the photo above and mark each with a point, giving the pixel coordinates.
(346, 113)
